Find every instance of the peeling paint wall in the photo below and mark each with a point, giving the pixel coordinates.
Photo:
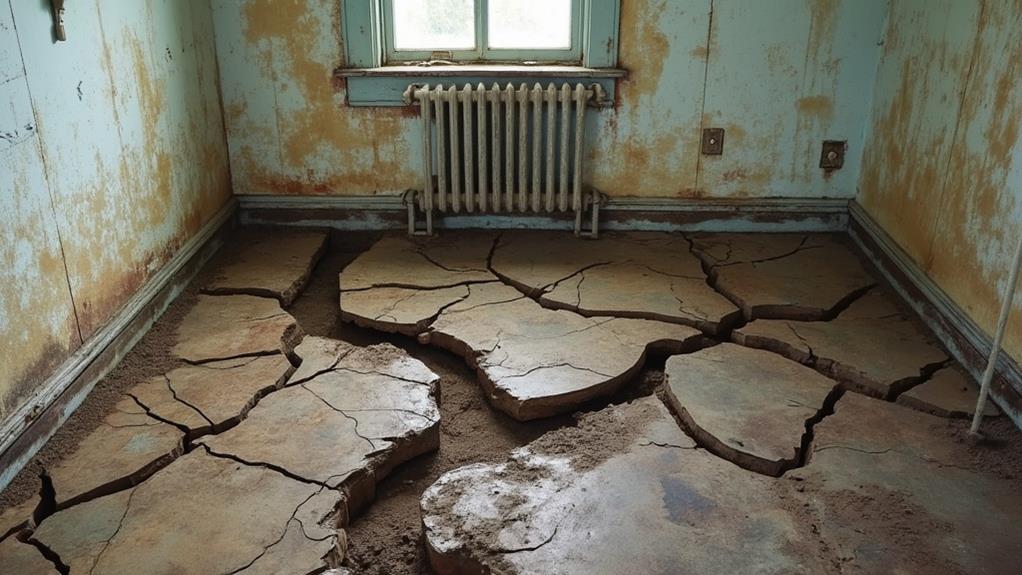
(118, 157)
(780, 76)
(942, 173)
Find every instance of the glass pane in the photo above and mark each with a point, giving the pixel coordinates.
(536, 24)
(434, 25)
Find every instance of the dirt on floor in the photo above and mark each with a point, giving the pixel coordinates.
(387, 537)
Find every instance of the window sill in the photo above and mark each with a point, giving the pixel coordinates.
(384, 86)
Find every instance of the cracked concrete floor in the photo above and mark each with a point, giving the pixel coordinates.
(734, 391)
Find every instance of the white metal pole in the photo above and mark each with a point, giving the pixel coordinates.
(995, 347)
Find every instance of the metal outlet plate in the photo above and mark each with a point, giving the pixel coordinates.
(713, 141)
(832, 156)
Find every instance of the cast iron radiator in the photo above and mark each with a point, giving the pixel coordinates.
(510, 150)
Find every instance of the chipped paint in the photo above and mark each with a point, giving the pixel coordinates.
(127, 161)
(790, 73)
(943, 178)
(290, 132)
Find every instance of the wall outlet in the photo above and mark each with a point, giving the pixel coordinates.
(713, 141)
(832, 157)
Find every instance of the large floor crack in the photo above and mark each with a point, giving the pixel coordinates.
(106, 544)
(50, 555)
(399, 285)
(354, 420)
(283, 534)
(264, 465)
(173, 393)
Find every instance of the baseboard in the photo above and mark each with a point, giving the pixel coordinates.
(32, 424)
(969, 344)
(383, 212)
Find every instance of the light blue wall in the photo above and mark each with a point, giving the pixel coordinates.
(943, 172)
(779, 75)
(113, 154)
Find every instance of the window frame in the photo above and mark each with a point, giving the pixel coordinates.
(369, 83)
(482, 54)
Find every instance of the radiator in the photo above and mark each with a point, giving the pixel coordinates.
(510, 150)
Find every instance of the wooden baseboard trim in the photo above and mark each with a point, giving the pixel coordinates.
(969, 344)
(650, 214)
(32, 424)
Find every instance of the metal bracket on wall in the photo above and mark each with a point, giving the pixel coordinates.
(832, 155)
(713, 141)
(58, 20)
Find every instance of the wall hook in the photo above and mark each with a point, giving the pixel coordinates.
(58, 20)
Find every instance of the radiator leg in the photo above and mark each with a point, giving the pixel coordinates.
(410, 199)
(594, 202)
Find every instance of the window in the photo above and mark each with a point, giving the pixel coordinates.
(474, 41)
(505, 31)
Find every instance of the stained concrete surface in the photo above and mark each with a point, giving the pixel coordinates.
(211, 396)
(785, 276)
(370, 411)
(652, 276)
(201, 514)
(227, 327)
(948, 393)
(128, 447)
(535, 361)
(749, 406)
(835, 509)
(649, 502)
(871, 347)
(270, 264)
(24, 559)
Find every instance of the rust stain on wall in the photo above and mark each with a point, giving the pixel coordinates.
(937, 178)
(645, 46)
(819, 107)
(319, 138)
(975, 232)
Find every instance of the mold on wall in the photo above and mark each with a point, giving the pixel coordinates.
(943, 175)
(37, 322)
(288, 127)
(131, 129)
(692, 64)
(123, 160)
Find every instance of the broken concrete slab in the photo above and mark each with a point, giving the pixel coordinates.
(21, 558)
(948, 393)
(18, 517)
(367, 416)
(880, 473)
(871, 347)
(749, 406)
(428, 262)
(638, 275)
(274, 265)
(407, 311)
(230, 326)
(201, 514)
(626, 478)
(127, 447)
(536, 362)
(318, 355)
(211, 396)
(783, 276)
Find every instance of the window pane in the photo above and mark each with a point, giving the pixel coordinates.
(537, 24)
(434, 25)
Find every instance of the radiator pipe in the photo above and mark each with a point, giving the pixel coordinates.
(995, 347)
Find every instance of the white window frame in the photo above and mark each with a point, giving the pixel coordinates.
(482, 54)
